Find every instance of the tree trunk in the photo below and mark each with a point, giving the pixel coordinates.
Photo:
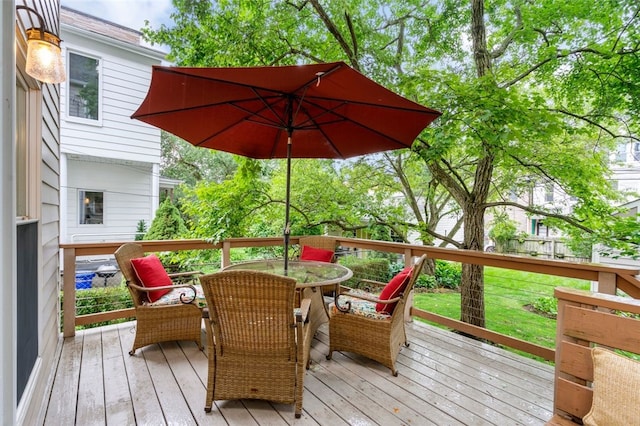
(472, 280)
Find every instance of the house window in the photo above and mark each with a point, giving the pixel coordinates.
(91, 207)
(621, 153)
(548, 193)
(540, 229)
(635, 151)
(84, 87)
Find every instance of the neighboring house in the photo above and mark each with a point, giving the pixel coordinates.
(30, 338)
(625, 177)
(633, 208)
(626, 169)
(109, 163)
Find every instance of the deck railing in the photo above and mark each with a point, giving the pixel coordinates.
(606, 279)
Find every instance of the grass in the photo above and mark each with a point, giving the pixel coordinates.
(509, 300)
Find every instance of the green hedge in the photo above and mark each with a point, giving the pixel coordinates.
(96, 300)
(376, 269)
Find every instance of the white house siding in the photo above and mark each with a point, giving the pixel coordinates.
(44, 194)
(115, 154)
(127, 197)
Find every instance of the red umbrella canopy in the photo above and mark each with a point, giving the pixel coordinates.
(329, 110)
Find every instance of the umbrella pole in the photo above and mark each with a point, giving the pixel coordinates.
(287, 225)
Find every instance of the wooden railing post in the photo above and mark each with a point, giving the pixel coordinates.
(408, 261)
(226, 253)
(69, 289)
(606, 283)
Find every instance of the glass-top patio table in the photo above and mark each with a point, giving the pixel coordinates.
(306, 273)
(309, 276)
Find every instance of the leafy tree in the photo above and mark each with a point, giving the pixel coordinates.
(168, 223)
(226, 209)
(531, 92)
(503, 229)
(141, 229)
(190, 164)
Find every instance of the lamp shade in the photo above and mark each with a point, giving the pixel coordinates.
(44, 58)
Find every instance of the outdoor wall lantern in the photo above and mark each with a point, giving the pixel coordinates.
(44, 56)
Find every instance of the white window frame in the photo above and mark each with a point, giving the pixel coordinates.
(68, 116)
(81, 210)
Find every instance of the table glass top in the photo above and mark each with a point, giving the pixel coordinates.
(304, 272)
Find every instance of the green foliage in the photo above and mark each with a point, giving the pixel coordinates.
(375, 269)
(428, 282)
(96, 300)
(623, 238)
(503, 229)
(448, 274)
(546, 305)
(168, 223)
(141, 229)
(227, 209)
(530, 89)
(190, 164)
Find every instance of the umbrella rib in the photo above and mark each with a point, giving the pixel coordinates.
(344, 118)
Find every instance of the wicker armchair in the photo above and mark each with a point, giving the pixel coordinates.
(374, 336)
(159, 323)
(257, 347)
(318, 314)
(318, 241)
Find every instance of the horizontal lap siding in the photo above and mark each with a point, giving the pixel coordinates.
(127, 197)
(125, 80)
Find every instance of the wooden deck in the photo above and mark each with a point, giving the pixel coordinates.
(444, 379)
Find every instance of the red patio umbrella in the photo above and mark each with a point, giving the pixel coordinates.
(300, 111)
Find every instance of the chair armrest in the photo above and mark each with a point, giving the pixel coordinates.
(167, 287)
(305, 305)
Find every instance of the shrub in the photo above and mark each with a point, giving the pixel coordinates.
(546, 305)
(96, 300)
(376, 269)
(141, 229)
(448, 274)
(426, 281)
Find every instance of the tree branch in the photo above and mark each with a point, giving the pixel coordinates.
(605, 55)
(499, 51)
(336, 34)
(596, 124)
(568, 219)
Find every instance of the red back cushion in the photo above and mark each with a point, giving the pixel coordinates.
(151, 273)
(317, 254)
(393, 289)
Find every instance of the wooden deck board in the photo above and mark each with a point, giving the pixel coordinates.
(444, 379)
(91, 403)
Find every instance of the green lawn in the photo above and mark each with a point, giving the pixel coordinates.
(508, 297)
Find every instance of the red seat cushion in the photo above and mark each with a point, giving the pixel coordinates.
(393, 289)
(317, 254)
(151, 273)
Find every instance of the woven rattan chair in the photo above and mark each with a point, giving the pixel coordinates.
(159, 323)
(318, 241)
(373, 336)
(318, 314)
(257, 347)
